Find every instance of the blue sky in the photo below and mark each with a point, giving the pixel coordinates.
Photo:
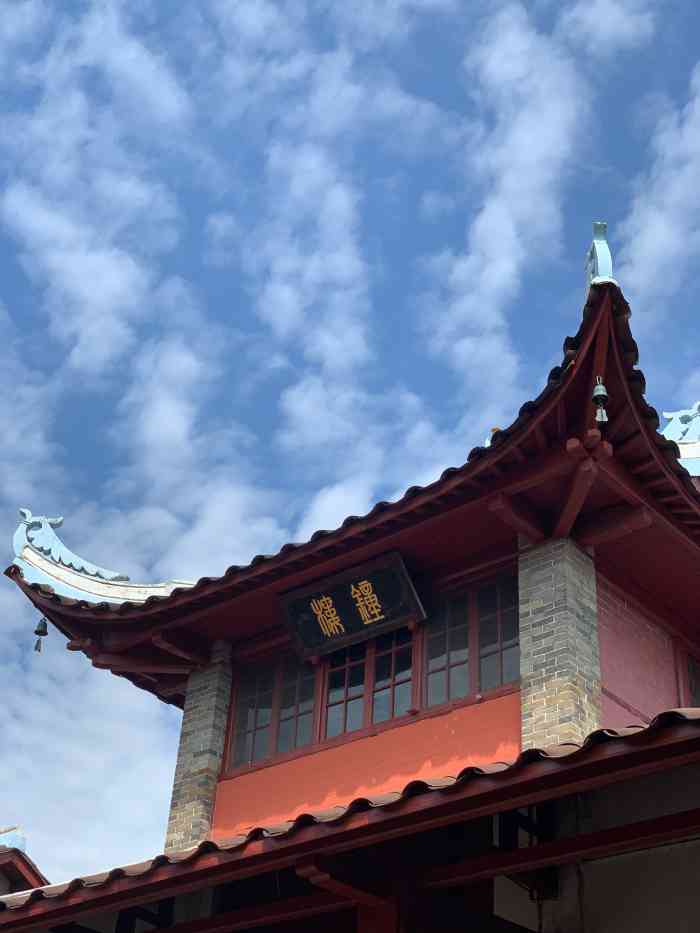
(262, 264)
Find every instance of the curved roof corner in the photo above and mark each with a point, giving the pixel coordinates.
(44, 559)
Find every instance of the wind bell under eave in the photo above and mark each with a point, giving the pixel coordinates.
(41, 630)
(600, 400)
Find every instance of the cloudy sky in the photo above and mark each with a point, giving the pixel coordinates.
(263, 263)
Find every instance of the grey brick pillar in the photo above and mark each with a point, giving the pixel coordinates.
(559, 653)
(200, 752)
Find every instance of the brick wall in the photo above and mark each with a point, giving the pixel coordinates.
(559, 654)
(200, 753)
(637, 659)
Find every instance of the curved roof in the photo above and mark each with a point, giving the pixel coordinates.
(103, 598)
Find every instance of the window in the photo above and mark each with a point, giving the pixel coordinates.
(499, 650)
(393, 675)
(273, 711)
(345, 693)
(447, 668)
(471, 643)
(468, 645)
(694, 681)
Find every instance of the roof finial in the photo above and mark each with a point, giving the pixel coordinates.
(599, 267)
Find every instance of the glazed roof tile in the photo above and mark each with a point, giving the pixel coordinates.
(479, 459)
(563, 756)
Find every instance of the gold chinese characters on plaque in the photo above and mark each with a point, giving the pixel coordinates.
(352, 606)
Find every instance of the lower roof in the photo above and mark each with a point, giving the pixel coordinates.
(606, 755)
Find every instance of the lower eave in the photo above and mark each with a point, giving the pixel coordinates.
(671, 740)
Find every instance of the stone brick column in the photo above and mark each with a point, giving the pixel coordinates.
(559, 653)
(201, 751)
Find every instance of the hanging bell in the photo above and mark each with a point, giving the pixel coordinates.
(41, 629)
(600, 400)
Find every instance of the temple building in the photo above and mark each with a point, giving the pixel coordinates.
(476, 707)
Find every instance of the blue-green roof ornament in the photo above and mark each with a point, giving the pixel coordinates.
(43, 558)
(599, 265)
(684, 425)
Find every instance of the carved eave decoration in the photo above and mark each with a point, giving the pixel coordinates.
(557, 471)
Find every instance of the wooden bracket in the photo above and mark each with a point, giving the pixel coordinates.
(123, 663)
(517, 516)
(322, 878)
(182, 646)
(580, 486)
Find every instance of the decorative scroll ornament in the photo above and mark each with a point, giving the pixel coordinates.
(37, 532)
(599, 266)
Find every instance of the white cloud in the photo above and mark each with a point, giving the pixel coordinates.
(603, 27)
(531, 102)
(661, 233)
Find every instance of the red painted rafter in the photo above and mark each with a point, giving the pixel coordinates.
(328, 881)
(182, 646)
(611, 524)
(124, 664)
(517, 516)
(580, 486)
(645, 834)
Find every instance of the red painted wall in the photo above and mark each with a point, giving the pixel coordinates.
(637, 660)
(433, 747)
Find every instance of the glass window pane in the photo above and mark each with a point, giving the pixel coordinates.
(354, 716)
(288, 703)
(290, 671)
(459, 611)
(384, 643)
(338, 658)
(304, 727)
(437, 688)
(459, 644)
(334, 720)
(402, 667)
(404, 636)
(437, 651)
(266, 678)
(382, 670)
(336, 685)
(402, 698)
(489, 673)
(382, 706)
(306, 694)
(459, 681)
(241, 753)
(487, 600)
(356, 652)
(509, 623)
(509, 592)
(356, 680)
(285, 739)
(245, 714)
(511, 664)
(437, 619)
(261, 740)
(264, 709)
(488, 632)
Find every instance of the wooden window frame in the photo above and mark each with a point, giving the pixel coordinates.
(419, 709)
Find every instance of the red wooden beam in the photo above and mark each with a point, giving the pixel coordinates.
(580, 486)
(247, 918)
(645, 834)
(127, 665)
(182, 646)
(610, 524)
(517, 516)
(322, 878)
